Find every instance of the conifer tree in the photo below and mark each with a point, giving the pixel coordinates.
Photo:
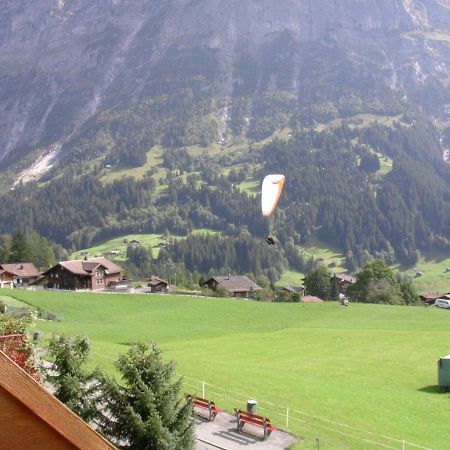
(334, 289)
(317, 283)
(144, 410)
(19, 251)
(72, 385)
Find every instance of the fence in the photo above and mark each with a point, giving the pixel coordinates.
(313, 429)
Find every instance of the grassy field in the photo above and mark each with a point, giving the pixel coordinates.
(430, 274)
(332, 258)
(359, 121)
(362, 377)
(291, 278)
(120, 245)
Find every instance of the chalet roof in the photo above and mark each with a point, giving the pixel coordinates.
(431, 296)
(75, 266)
(21, 269)
(33, 418)
(311, 299)
(110, 266)
(236, 283)
(294, 288)
(345, 277)
(87, 266)
(154, 280)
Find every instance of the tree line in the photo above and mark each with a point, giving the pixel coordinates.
(375, 283)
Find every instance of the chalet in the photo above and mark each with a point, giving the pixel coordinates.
(344, 281)
(90, 273)
(34, 419)
(311, 299)
(22, 274)
(6, 279)
(294, 289)
(157, 284)
(237, 285)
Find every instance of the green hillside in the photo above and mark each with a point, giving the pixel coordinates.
(362, 377)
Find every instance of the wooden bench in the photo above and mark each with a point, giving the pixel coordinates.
(244, 417)
(204, 404)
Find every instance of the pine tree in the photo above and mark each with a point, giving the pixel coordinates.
(5, 244)
(72, 385)
(144, 410)
(334, 289)
(317, 283)
(19, 250)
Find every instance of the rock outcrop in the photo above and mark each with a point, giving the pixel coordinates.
(63, 63)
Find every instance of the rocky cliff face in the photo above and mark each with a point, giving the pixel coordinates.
(65, 65)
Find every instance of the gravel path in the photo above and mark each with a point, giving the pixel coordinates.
(222, 434)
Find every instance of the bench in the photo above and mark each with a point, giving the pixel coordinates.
(244, 417)
(204, 404)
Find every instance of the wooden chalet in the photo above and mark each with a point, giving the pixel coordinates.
(33, 419)
(93, 273)
(344, 281)
(237, 285)
(20, 274)
(6, 279)
(294, 289)
(157, 284)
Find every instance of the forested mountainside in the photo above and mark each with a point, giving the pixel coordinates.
(143, 116)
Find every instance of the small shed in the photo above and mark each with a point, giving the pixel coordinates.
(444, 371)
(157, 284)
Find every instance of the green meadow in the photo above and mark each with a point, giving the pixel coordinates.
(120, 244)
(362, 377)
(431, 274)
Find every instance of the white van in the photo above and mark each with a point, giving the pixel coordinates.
(442, 303)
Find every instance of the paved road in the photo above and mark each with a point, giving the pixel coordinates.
(222, 434)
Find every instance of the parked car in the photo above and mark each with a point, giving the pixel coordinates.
(442, 303)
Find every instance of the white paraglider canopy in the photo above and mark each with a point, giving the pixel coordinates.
(272, 187)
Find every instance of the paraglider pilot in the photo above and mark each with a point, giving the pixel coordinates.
(270, 240)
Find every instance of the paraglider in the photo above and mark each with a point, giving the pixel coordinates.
(272, 187)
(271, 190)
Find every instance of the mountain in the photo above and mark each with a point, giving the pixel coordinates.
(349, 98)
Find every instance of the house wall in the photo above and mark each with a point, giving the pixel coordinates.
(98, 279)
(161, 287)
(111, 278)
(21, 429)
(60, 278)
(6, 281)
(212, 284)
